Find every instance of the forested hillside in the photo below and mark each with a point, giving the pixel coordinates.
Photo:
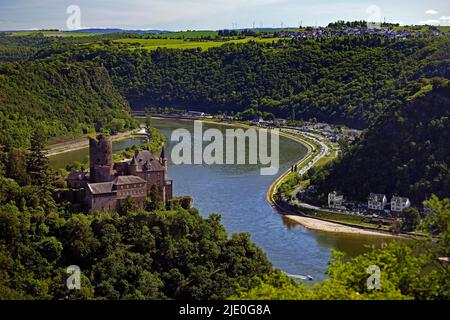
(406, 152)
(62, 98)
(399, 89)
(177, 254)
(347, 80)
(130, 254)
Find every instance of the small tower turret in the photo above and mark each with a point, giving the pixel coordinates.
(134, 164)
(162, 158)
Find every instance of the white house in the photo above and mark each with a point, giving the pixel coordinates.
(335, 200)
(377, 201)
(398, 204)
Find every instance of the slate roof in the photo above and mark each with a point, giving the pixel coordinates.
(101, 187)
(109, 187)
(121, 180)
(399, 200)
(78, 175)
(146, 158)
(378, 197)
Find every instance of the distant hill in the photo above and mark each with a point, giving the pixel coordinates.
(345, 81)
(116, 30)
(405, 153)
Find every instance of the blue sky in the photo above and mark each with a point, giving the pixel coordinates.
(216, 14)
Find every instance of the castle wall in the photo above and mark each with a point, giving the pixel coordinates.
(104, 202)
(168, 191)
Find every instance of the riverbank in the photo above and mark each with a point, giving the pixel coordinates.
(326, 226)
(311, 222)
(82, 143)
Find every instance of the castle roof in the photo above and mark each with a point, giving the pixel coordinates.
(134, 161)
(109, 187)
(147, 166)
(144, 157)
(101, 187)
(78, 175)
(120, 180)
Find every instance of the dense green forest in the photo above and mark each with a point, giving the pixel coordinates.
(406, 152)
(55, 87)
(70, 85)
(133, 254)
(347, 80)
(176, 254)
(62, 98)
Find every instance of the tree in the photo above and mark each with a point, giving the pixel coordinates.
(39, 170)
(9, 224)
(37, 161)
(155, 199)
(16, 166)
(117, 125)
(148, 123)
(9, 190)
(127, 205)
(411, 219)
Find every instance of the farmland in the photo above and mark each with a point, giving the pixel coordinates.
(187, 34)
(153, 44)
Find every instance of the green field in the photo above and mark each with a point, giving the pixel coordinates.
(153, 44)
(422, 28)
(187, 34)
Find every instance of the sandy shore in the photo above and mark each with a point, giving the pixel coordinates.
(316, 224)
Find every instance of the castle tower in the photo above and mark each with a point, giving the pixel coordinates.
(133, 166)
(162, 158)
(100, 158)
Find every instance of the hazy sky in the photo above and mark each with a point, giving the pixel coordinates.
(216, 14)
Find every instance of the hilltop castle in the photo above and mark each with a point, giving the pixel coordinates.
(107, 183)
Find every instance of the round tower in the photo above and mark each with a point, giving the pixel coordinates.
(100, 158)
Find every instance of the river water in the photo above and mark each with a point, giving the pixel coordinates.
(237, 192)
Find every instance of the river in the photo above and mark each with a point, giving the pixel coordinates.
(237, 192)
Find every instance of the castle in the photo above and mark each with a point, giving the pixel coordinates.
(107, 183)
